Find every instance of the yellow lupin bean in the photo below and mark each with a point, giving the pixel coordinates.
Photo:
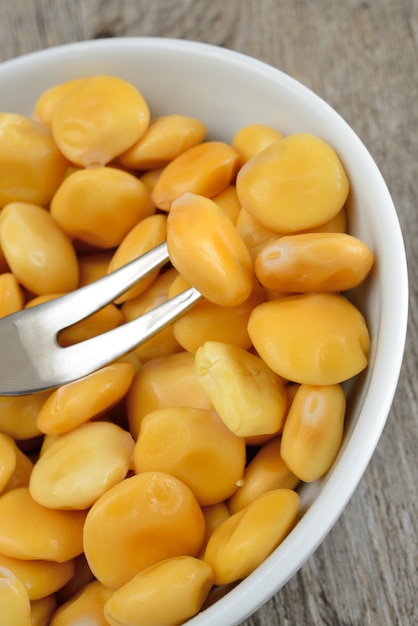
(47, 102)
(205, 169)
(14, 600)
(252, 139)
(81, 465)
(313, 338)
(18, 414)
(248, 396)
(244, 540)
(296, 183)
(40, 578)
(39, 253)
(99, 206)
(147, 234)
(150, 177)
(228, 200)
(99, 119)
(86, 607)
(162, 383)
(165, 139)
(164, 342)
(12, 298)
(41, 610)
(337, 224)
(314, 262)
(165, 594)
(207, 321)
(266, 471)
(31, 166)
(253, 233)
(75, 403)
(214, 515)
(54, 535)
(15, 466)
(7, 459)
(190, 444)
(142, 520)
(313, 430)
(206, 249)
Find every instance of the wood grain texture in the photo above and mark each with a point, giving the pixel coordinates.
(362, 57)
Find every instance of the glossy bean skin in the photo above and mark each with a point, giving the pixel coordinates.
(214, 515)
(40, 578)
(12, 298)
(47, 102)
(87, 607)
(99, 119)
(228, 200)
(162, 383)
(31, 165)
(208, 321)
(144, 519)
(15, 466)
(81, 465)
(99, 206)
(314, 262)
(19, 414)
(253, 233)
(248, 396)
(205, 169)
(206, 249)
(147, 234)
(312, 338)
(296, 183)
(166, 138)
(14, 600)
(313, 430)
(190, 444)
(40, 255)
(151, 598)
(73, 404)
(244, 540)
(55, 535)
(265, 472)
(252, 139)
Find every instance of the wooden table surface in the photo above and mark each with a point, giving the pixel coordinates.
(362, 57)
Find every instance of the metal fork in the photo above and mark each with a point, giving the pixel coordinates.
(31, 358)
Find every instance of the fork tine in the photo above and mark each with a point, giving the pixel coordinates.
(79, 304)
(78, 360)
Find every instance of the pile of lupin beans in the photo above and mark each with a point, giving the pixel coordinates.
(131, 494)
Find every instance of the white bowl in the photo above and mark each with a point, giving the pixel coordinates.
(228, 90)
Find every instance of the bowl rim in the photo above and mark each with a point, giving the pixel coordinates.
(255, 590)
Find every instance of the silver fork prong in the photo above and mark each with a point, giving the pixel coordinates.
(73, 362)
(79, 304)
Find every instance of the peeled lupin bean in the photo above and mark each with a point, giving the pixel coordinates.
(39, 577)
(14, 600)
(11, 294)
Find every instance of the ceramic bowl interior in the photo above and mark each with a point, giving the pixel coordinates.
(228, 90)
